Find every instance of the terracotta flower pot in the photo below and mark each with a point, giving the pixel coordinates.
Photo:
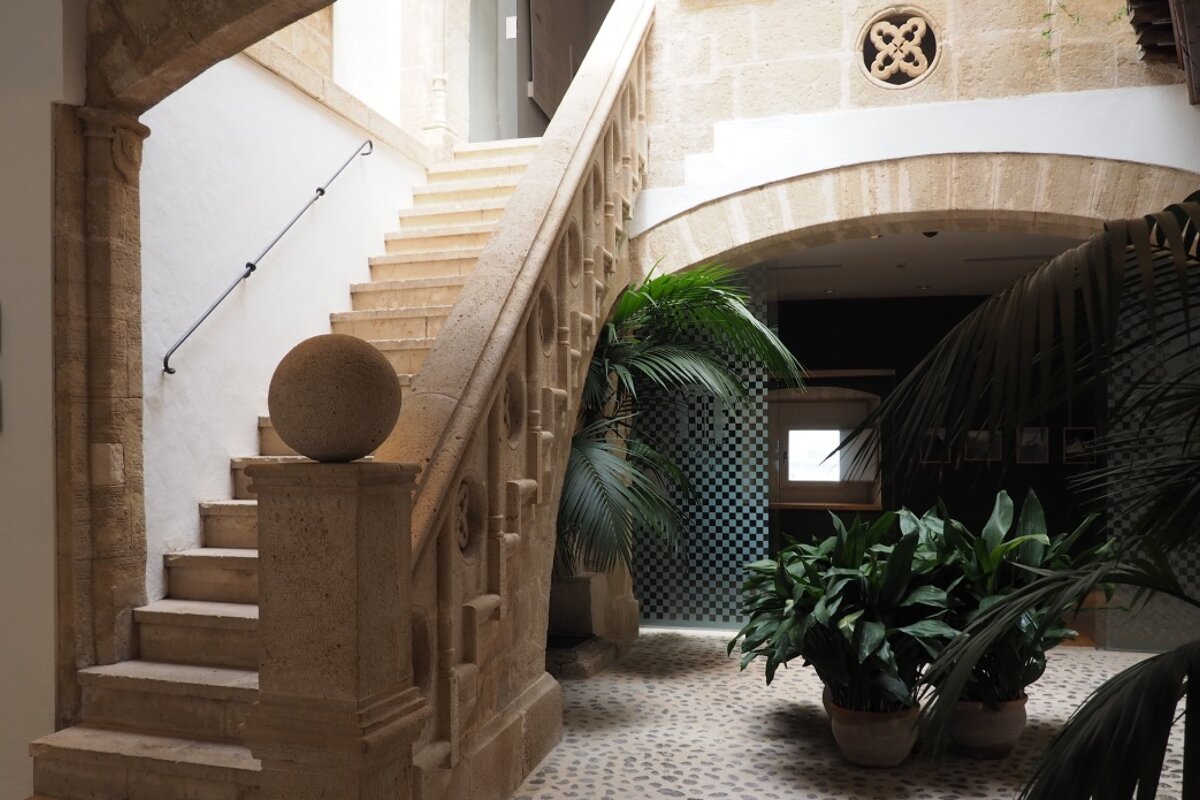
(982, 732)
(875, 738)
(827, 701)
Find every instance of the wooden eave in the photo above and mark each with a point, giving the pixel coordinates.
(1168, 31)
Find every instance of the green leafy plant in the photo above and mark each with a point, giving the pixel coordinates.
(669, 334)
(862, 607)
(993, 564)
(1059, 330)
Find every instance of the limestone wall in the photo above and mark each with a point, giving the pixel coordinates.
(714, 60)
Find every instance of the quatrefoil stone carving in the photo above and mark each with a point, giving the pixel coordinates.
(899, 47)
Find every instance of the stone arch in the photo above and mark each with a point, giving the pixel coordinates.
(138, 53)
(1052, 194)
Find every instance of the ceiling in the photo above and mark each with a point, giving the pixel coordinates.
(911, 265)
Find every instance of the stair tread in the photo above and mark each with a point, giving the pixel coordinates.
(468, 185)
(417, 257)
(232, 508)
(440, 229)
(212, 555)
(88, 742)
(409, 283)
(518, 143)
(400, 312)
(402, 344)
(199, 613)
(489, 204)
(167, 678)
(493, 162)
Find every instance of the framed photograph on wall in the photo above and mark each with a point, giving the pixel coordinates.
(934, 447)
(1033, 445)
(983, 446)
(1079, 445)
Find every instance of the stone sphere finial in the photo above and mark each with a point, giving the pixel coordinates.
(334, 398)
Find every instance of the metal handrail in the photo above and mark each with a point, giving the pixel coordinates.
(364, 149)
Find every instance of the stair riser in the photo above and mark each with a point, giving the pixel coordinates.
(189, 644)
(269, 443)
(214, 584)
(423, 269)
(227, 530)
(449, 193)
(407, 361)
(468, 170)
(458, 217)
(501, 149)
(84, 777)
(409, 328)
(415, 296)
(188, 716)
(419, 241)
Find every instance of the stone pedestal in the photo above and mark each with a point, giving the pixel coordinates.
(338, 711)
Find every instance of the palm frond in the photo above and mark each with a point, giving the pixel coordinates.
(611, 490)
(1114, 744)
(1059, 330)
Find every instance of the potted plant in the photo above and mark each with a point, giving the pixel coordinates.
(863, 609)
(990, 714)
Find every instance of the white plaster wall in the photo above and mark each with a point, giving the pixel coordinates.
(753, 152)
(230, 159)
(367, 37)
(41, 54)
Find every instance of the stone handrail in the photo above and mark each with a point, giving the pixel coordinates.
(512, 353)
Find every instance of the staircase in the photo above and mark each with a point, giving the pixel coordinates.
(168, 726)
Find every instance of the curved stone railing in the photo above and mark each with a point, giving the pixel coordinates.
(527, 316)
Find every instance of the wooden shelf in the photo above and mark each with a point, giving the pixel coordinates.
(827, 506)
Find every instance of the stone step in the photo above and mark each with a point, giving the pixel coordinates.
(407, 293)
(469, 190)
(405, 354)
(199, 633)
(500, 148)
(467, 236)
(478, 169)
(452, 213)
(208, 703)
(88, 763)
(241, 481)
(269, 443)
(424, 264)
(230, 523)
(217, 574)
(392, 323)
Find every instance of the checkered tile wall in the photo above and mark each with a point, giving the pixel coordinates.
(723, 450)
(1164, 623)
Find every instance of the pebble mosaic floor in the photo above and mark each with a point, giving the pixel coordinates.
(675, 719)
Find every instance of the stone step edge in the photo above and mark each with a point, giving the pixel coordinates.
(400, 312)
(198, 614)
(401, 284)
(152, 753)
(159, 677)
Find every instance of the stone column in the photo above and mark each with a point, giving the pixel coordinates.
(337, 712)
(113, 380)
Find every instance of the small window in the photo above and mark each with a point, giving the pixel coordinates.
(809, 468)
(813, 455)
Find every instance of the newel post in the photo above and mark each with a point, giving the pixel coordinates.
(337, 712)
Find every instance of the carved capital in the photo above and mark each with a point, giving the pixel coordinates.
(125, 133)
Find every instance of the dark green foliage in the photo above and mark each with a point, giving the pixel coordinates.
(1038, 343)
(862, 607)
(671, 333)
